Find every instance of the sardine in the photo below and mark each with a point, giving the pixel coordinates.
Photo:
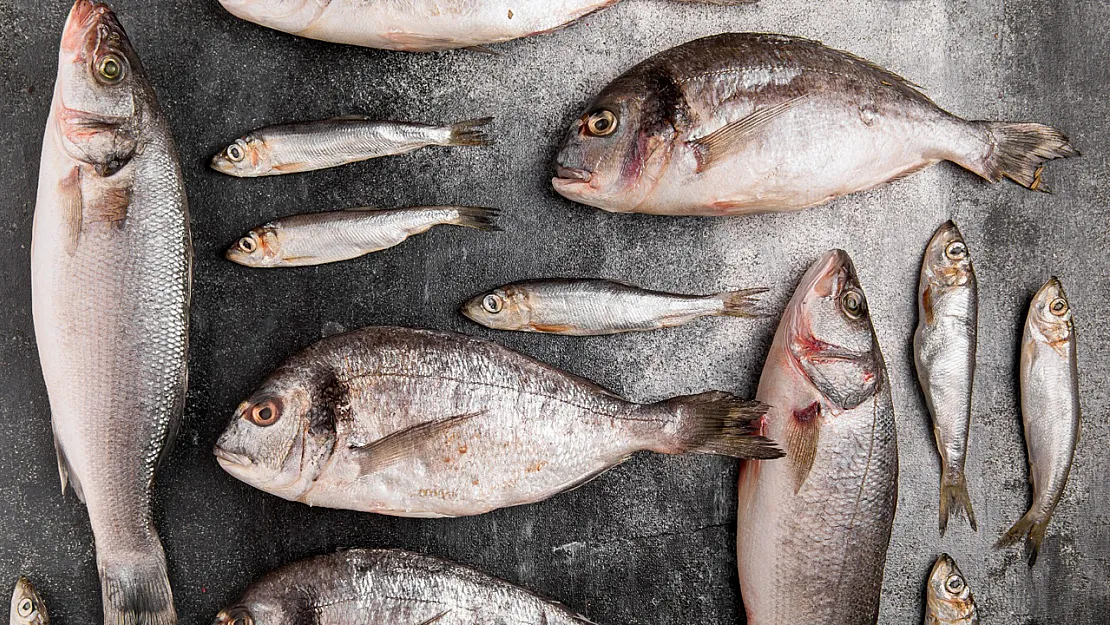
(111, 267)
(1049, 409)
(389, 586)
(419, 25)
(944, 351)
(421, 423)
(749, 122)
(27, 606)
(813, 529)
(594, 307)
(308, 146)
(318, 238)
(948, 599)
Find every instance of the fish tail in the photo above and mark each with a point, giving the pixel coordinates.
(136, 590)
(742, 303)
(476, 217)
(470, 132)
(719, 423)
(1018, 151)
(1032, 528)
(954, 498)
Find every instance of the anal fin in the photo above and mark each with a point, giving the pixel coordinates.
(393, 447)
(65, 473)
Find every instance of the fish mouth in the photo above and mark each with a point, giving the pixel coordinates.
(83, 17)
(230, 460)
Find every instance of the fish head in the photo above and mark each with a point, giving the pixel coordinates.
(830, 336)
(260, 247)
(246, 156)
(1050, 314)
(101, 93)
(948, 597)
(947, 261)
(27, 606)
(286, 15)
(505, 308)
(253, 611)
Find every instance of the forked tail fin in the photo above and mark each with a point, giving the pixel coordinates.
(470, 132)
(719, 423)
(1018, 151)
(136, 589)
(954, 498)
(743, 303)
(476, 217)
(1032, 528)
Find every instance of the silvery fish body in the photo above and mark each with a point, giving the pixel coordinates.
(948, 598)
(741, 123)
(389, 587)
(423, 424)
(1049, 409)
(111, 268)
(813, 529)
(594, 307)
(27, 607)
(944, 352)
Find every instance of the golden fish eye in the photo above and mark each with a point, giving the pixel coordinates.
(235, 153)
(853, 305)
(25, 607)
(264, 413)
(602, 123)
(956, 250)
(954, 584)
(493, 304)
(1058, 307)
(248, 245)
(110, 68)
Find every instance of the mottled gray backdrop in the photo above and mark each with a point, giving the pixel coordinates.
(653, 541)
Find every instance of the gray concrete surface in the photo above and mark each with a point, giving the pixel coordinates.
(652, 542)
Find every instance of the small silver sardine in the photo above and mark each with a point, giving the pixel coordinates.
(944, 352)
(364, 586)
(948, 598)
(813, 529)
(421, 423)
(1049, 409)
(27, 606)
(594, 307)
(308, 146)
(740, 123)
(318, 238)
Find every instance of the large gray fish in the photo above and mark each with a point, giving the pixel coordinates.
(27, 607)
(1049, 409)
(364, 586)
(308, 146)
(429, 424)
(948, 599)
(419, 25)
(110, 275)
(744, 123)
(813, 529)
(318, 238)
(944, 351)
(594, 307)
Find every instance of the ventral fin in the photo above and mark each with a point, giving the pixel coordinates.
(67, 476)
(403, 443)
(729, 139)
(69, 195)
(802, 434)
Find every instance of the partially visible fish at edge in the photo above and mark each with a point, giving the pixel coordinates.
(27, 607)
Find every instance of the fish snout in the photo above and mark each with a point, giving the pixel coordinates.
(83, 18)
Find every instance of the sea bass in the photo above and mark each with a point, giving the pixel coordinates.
(944, 352)
(419, 25)
(308, 146)
(813, 529)
(1049, 409)
(594, 307)
(389, 586)
(948, 599)
(421, 423)
(111, 267)
(318, 238)
(27, 607)
(749, 122)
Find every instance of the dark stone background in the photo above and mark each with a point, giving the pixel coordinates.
(652, 541)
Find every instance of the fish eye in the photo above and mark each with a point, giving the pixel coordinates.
(240, 617)
(25, 607)
(853, 305)
(235, 153)
(956, 250)
(954, 584)
(110, 68)
(1058, 307)
(248, 244)
(493, 304)
(601, 124)
(264, 413)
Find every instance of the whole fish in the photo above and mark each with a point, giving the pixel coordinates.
(111, 265)
(318, 238)
(389, 586)
(419, 25)
(594, 307)
(429, 424)
(308, 146)
(748, 122)
(813, 529)
(27, 607)
(1049, 409)
(944, 351)
(948, 599)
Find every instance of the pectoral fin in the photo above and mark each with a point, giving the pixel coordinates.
(435, 618)
(802, 435)
(69, 196)
(404, 443)
(729, 139)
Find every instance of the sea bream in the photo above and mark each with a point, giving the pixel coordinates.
(421, 423)
(743, 123)
(111, 266)
(813, 528)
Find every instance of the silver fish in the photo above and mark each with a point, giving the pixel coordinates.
(419, 25)
(27, 606)
(389, 586)
(944, 351)
(111, 267)
(318, 238)
(595, 307)
(308, 146)
(749, 122)
(1049, 409)
(948, 598)
(429, 424)
(813, 529)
